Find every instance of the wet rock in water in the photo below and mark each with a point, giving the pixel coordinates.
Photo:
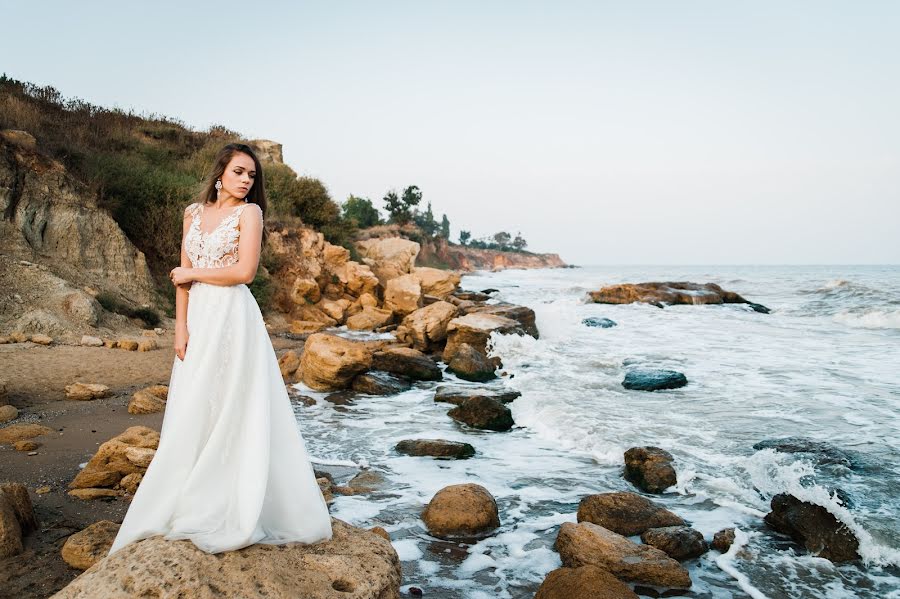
(366, 481)
(814, 527)
(288, 363)
(484, 413)
(457, 395)
(820, 452)
(472, 296)
(329, 363)
(759, 308)
(650, 468)
(660, 294)
(601, 323)
(407, 362)
(585, 543)
(354, 564)
(625, 513)
(86, 391)
(471, 365)
(653, 379)
(426, 328)
(475, 330)
(678, 542)
(17, 518)
(149, 400)
(585, 582)
(84, 549)
(376, 382)
(466, 510)
(490, 291)
(522, 314)
(723, 540)
(436, 448)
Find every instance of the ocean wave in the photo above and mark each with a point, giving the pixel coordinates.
(873, 319)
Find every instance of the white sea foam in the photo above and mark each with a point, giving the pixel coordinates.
(873, 319)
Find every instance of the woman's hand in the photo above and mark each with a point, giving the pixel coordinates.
(181, 341)
(181, 275)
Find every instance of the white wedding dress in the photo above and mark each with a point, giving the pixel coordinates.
(231, 469)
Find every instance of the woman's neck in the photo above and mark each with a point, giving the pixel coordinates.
(226, 202)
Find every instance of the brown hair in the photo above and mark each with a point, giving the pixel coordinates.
(257, 193)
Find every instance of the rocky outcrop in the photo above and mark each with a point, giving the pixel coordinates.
(678, 542)
(660, 294)
(814, 527)
(403, 295)
(585, 543)
(426, 328)
(436, 282)
(435, 448)
(625, 513)
(267, 151)
(584, 582)
(355, 564)
(467, 510)
(330, 363)
(645, 379)
(390, 257)
(650, 468)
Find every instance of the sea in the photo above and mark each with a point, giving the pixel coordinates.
(824, 365)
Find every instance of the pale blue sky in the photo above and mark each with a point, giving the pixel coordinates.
(631, 132)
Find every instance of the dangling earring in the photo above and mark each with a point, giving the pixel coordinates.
(218, 187)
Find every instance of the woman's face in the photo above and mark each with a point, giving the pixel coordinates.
(238, 177)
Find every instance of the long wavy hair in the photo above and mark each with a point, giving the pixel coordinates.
(257, 193)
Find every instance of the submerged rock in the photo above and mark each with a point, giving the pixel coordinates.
(650, 468)
(723, 540)
(678, 542)
(601, 323)
(457, 395)
(466, 510)
(484, 413)
(653, 379)
(814, 527)
(820, 452)
(436, 448)
(625, 513)
(376, 382)
(584, 582)
(407, 362)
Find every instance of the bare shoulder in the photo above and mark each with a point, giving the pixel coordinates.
(252, 211)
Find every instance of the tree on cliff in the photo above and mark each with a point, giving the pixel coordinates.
(305, 197)
(519, 242)
(445, 227)
(502, 240)
(426, 221)
(361, 212)
(400, 208)
(464, 237)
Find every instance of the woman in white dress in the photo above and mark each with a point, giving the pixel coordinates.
(231, 469)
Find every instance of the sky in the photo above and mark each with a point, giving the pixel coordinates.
(632, 132)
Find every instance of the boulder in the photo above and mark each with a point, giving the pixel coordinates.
(127, 344)
(334, 309)
(472, 296)
(306, 327)
(522, 314)
(354, 564)
(149, 400)
(86, 391)
(403, 295)
(369, 318)
(678, 542)
(147, 345)
(8, 413)
(26, 445)
(375, 382)
(585, 582)
(600, 323)
(650, 468)
(471, 365)
(366, 481)
(821, 453)
(426, 327)
(436, 282)
(475, 330)
(814, 527)
(466, 510)
(90, 341)
(130, 482)
(16, 495)
(407, 362)
(305, 290)
(288, 364)
(16, 518)
(457, 395)
(111, 462)
(389, 258)
(723, 540)
(484, 413)
(625, 513)
(140, 456)
(435, 448)
(585, 543)
(653, 379)
(17, 432)
(358, 279)
(330, 362)
(659, 294)
(84, 549)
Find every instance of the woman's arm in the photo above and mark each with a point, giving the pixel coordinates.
(249, 245)
(181, 295)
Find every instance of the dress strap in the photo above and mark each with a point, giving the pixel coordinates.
(194, 210)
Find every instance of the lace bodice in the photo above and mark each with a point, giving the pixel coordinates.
(219, 247)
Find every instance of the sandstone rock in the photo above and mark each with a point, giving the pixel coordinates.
(650, 468)
(358, 279)
(366, 481)
(369, 318)
(426, 327)
(127, 344)
(653, 379)
(93, 493)
(471, 365)
(17, 496)
(678, 542)
(149, 400)
(81, 307)
(94, 478)
(457, 395)
(484, 413)
(10, 529)
(407, 362)
(367, 299)
(312, 313)
(90, 341)
(380, 532)
(625, 513)
(660, 294)
(436, 282)
(330, 363)
(111, 457)
(723, 540)
(305, 291)
(333, 309)
(585, 582)
(86, 391)
(326, 486)
(288, 363)
(84, 549)
(467, 510)
(814, 527)
(110, 343)
(380, 383)
(26, 445)
(41, 339)
(140, 456)
(475, 330)
(354, 564)
(130, 482)
(16, 432)
(403, 295)
(522, 314)
(585, 543)
(389, 258)
(306, 327)
(600, 323)
(147, 345)
(267, 151)
(8, 413)
(436, 448)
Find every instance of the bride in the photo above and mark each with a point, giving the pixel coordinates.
(231, 469)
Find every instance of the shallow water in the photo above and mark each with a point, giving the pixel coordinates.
(822, 365)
